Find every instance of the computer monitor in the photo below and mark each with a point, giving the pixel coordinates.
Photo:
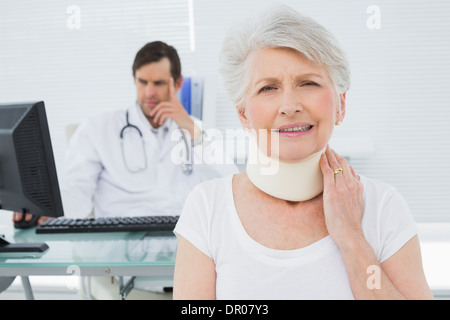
(28, 178)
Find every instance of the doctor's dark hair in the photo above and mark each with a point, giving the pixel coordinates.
(154, 52)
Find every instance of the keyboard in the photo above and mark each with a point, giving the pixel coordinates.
(108, 224)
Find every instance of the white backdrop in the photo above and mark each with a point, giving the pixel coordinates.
(76, 56)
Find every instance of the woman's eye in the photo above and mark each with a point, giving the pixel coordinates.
(309, 83)
(267, 89)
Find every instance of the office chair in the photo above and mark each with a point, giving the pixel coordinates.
(70, 130)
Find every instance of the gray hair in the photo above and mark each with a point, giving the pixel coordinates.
(280, 27)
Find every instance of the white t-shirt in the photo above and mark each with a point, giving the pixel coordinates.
(248, 270)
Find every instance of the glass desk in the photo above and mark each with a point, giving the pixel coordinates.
(118, 254)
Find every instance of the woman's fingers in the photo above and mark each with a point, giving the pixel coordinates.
(335, 163)
(354, 173)
(347, 172)
(342, 196)
(327, 172)
(330, 164)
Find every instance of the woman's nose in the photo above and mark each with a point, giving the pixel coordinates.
(290, 104)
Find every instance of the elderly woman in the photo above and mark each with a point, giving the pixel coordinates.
(310, 228)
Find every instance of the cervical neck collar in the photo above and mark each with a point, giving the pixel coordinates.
(297, 181)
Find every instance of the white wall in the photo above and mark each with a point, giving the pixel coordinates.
(400, 73)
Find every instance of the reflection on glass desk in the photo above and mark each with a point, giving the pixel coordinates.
(94, 254)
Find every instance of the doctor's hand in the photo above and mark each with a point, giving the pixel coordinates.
(173, 109)
(28, 220)
(342, 199)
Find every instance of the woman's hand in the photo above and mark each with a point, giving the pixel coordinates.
(342, 199)
(343, 207)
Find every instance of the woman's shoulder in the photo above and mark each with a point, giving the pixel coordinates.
(204, 208)
(387, 221)
(377, 188)
(210, 197)
(213, 188)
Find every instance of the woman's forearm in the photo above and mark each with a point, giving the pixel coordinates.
(366, 276)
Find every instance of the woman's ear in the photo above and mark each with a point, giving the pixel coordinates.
(245, 122)
(341, 110)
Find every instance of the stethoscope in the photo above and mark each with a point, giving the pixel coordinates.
(186, 166)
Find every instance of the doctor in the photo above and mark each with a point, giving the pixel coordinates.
(143, 160)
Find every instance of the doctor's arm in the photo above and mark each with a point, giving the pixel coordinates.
(82, 168)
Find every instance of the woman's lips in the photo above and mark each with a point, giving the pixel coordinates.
(295, 129)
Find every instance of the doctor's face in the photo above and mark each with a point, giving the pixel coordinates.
(152, 85)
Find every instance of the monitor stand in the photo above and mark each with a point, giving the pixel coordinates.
(21, 249)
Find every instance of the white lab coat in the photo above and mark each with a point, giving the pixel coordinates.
(95, 175)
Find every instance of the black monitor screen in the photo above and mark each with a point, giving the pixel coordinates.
(28, 179)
